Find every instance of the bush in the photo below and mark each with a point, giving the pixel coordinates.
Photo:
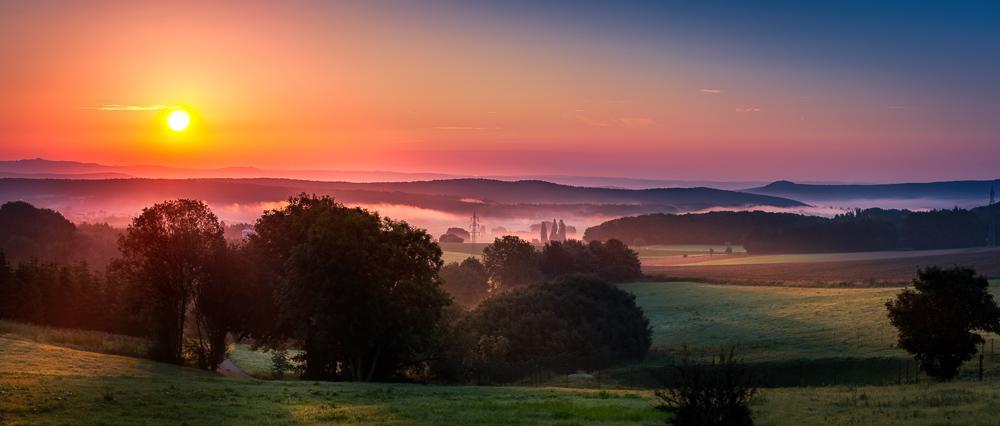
(716, 393)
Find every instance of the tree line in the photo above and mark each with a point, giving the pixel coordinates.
(362, 296)
(765, 233)
(511, 262)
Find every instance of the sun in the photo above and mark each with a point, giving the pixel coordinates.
(178, 120)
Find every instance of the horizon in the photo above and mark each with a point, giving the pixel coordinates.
(679, 91)
(425, 175)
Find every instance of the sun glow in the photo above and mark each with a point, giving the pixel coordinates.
(178, 120)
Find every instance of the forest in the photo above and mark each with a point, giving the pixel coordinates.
(773, 233)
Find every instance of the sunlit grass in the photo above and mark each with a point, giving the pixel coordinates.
(93, 341)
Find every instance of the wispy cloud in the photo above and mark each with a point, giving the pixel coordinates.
(463, 128)
(712, 91)
(117, 107)
(636, 121)
(748, 109)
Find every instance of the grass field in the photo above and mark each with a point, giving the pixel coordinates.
(41, 383)
(44, 384)
(769, 323)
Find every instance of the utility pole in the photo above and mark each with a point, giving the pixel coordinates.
(474, 232)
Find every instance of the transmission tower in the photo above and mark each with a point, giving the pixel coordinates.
(474, 232)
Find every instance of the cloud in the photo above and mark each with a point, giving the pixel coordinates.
(636, 121)
(712, 91)
(463, 128)
(748, 109)
(116, 107)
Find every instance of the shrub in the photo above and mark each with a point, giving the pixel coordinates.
(716, 393)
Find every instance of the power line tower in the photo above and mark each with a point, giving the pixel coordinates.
(474, 232)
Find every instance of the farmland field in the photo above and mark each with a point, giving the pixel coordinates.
(829, 269)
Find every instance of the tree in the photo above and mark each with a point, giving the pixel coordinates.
(450, 238)
(511, 262)
(221, 304)
(616, 261)
(545, 233)
(566, 258)
(359, 292)
(167, 252)
(561, 326)
(938, 319)
(467, 282)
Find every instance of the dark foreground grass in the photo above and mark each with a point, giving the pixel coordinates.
(214, 400)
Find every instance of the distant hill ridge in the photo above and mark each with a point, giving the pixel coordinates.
(971, 189)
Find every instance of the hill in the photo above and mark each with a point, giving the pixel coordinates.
(945, 194)
(434, 205)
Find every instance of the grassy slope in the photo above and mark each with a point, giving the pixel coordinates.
(41, 383)
(769, 323)
(50, 385)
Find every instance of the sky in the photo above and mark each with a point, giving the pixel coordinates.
(842, 91)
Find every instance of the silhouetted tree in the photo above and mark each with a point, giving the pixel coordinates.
(467, 282)
(511, 262)
(545, 233)
(938, 319)
(166, 252)
(615, 261)
(360, 292)
(575, 323)
(450, 238)
(567, 258)
(221, 305)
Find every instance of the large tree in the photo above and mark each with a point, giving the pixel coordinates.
(511, 262)
(359, 292)
(166, 253)
(562, 326)
(939, 318)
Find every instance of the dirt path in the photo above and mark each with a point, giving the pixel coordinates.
(229, 369)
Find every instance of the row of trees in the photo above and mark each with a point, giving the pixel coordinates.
(763, 232)
(511, 262)
(359, 294)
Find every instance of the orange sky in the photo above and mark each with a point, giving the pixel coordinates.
(452, 89)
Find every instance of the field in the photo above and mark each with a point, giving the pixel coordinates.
(41, 383)
(769, 323)
(827, 269)
(789, 335)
